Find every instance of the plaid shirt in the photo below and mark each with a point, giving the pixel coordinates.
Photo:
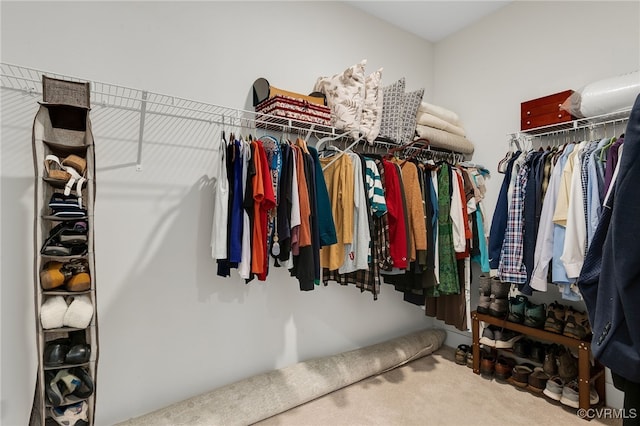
(369, 279)
(511, 267)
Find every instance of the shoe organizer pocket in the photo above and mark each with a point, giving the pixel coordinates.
(73, 276)
(64, 165)
(65, 126)
(66, 238)
(67, 348)
(74, 311)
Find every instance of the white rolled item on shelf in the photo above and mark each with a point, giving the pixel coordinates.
(426, 119)
(440, 112)
(445, 140)
(606, 96)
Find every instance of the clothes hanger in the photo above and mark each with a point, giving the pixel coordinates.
(424, 146)
(360, 137)
(329, 139)
(302, 144)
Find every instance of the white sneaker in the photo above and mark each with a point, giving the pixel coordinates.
(70, 415)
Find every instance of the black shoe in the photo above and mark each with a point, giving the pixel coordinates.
(78, 354)
(522, 348)
(55, 352)
(538, 351)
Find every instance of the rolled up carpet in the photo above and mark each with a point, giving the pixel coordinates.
(265, 395)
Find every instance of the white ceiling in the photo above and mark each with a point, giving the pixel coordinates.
(430, 20)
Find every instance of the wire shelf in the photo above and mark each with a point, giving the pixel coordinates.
(587, 123)
(29, 80)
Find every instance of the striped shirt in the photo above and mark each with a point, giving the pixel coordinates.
(373, 186)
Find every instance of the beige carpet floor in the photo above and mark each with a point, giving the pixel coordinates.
(433, 390)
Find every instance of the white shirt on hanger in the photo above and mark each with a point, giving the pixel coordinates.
(356, 256)
(295, 203)
(576, 231)
(457, 217)
(244, 267)
(544, 240)
(220, 206)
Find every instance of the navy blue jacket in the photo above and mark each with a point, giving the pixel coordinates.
(610, 276)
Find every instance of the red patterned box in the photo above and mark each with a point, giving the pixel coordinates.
(294, 109)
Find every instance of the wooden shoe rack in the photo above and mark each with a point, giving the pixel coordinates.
(62, 128)
(585, 377)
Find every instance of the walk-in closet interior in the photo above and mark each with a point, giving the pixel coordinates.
(201, 280)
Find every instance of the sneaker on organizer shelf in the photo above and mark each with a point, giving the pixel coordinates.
(553, 388)
(488, 336)
(507, 339)
(571, 394)
(70, 415)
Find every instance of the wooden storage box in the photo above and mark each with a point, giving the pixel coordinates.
(295, 109)
(544, 111)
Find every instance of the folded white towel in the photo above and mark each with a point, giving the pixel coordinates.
(445, 140)
(440, 112)
(426, 119)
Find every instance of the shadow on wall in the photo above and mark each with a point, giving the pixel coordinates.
(165, 317)
(19, 361)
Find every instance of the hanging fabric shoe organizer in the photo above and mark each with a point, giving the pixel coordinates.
(64, 263)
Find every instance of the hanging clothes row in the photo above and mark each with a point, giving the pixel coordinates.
(351, 218)
(420, 220)
(548, 208)
(266, 210)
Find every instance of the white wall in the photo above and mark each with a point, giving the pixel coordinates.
(524, 51)
(169, 328)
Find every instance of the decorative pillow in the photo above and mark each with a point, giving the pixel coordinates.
(345, 97)
(372, 109)
(411, 103)
(392, 110)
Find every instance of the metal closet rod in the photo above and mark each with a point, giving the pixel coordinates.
(589, 123)
(433, 152)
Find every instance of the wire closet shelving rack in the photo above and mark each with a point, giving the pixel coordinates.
(146, 103)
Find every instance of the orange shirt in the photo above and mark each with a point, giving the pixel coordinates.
(263, 201)
(304, 239)
(415, 212)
